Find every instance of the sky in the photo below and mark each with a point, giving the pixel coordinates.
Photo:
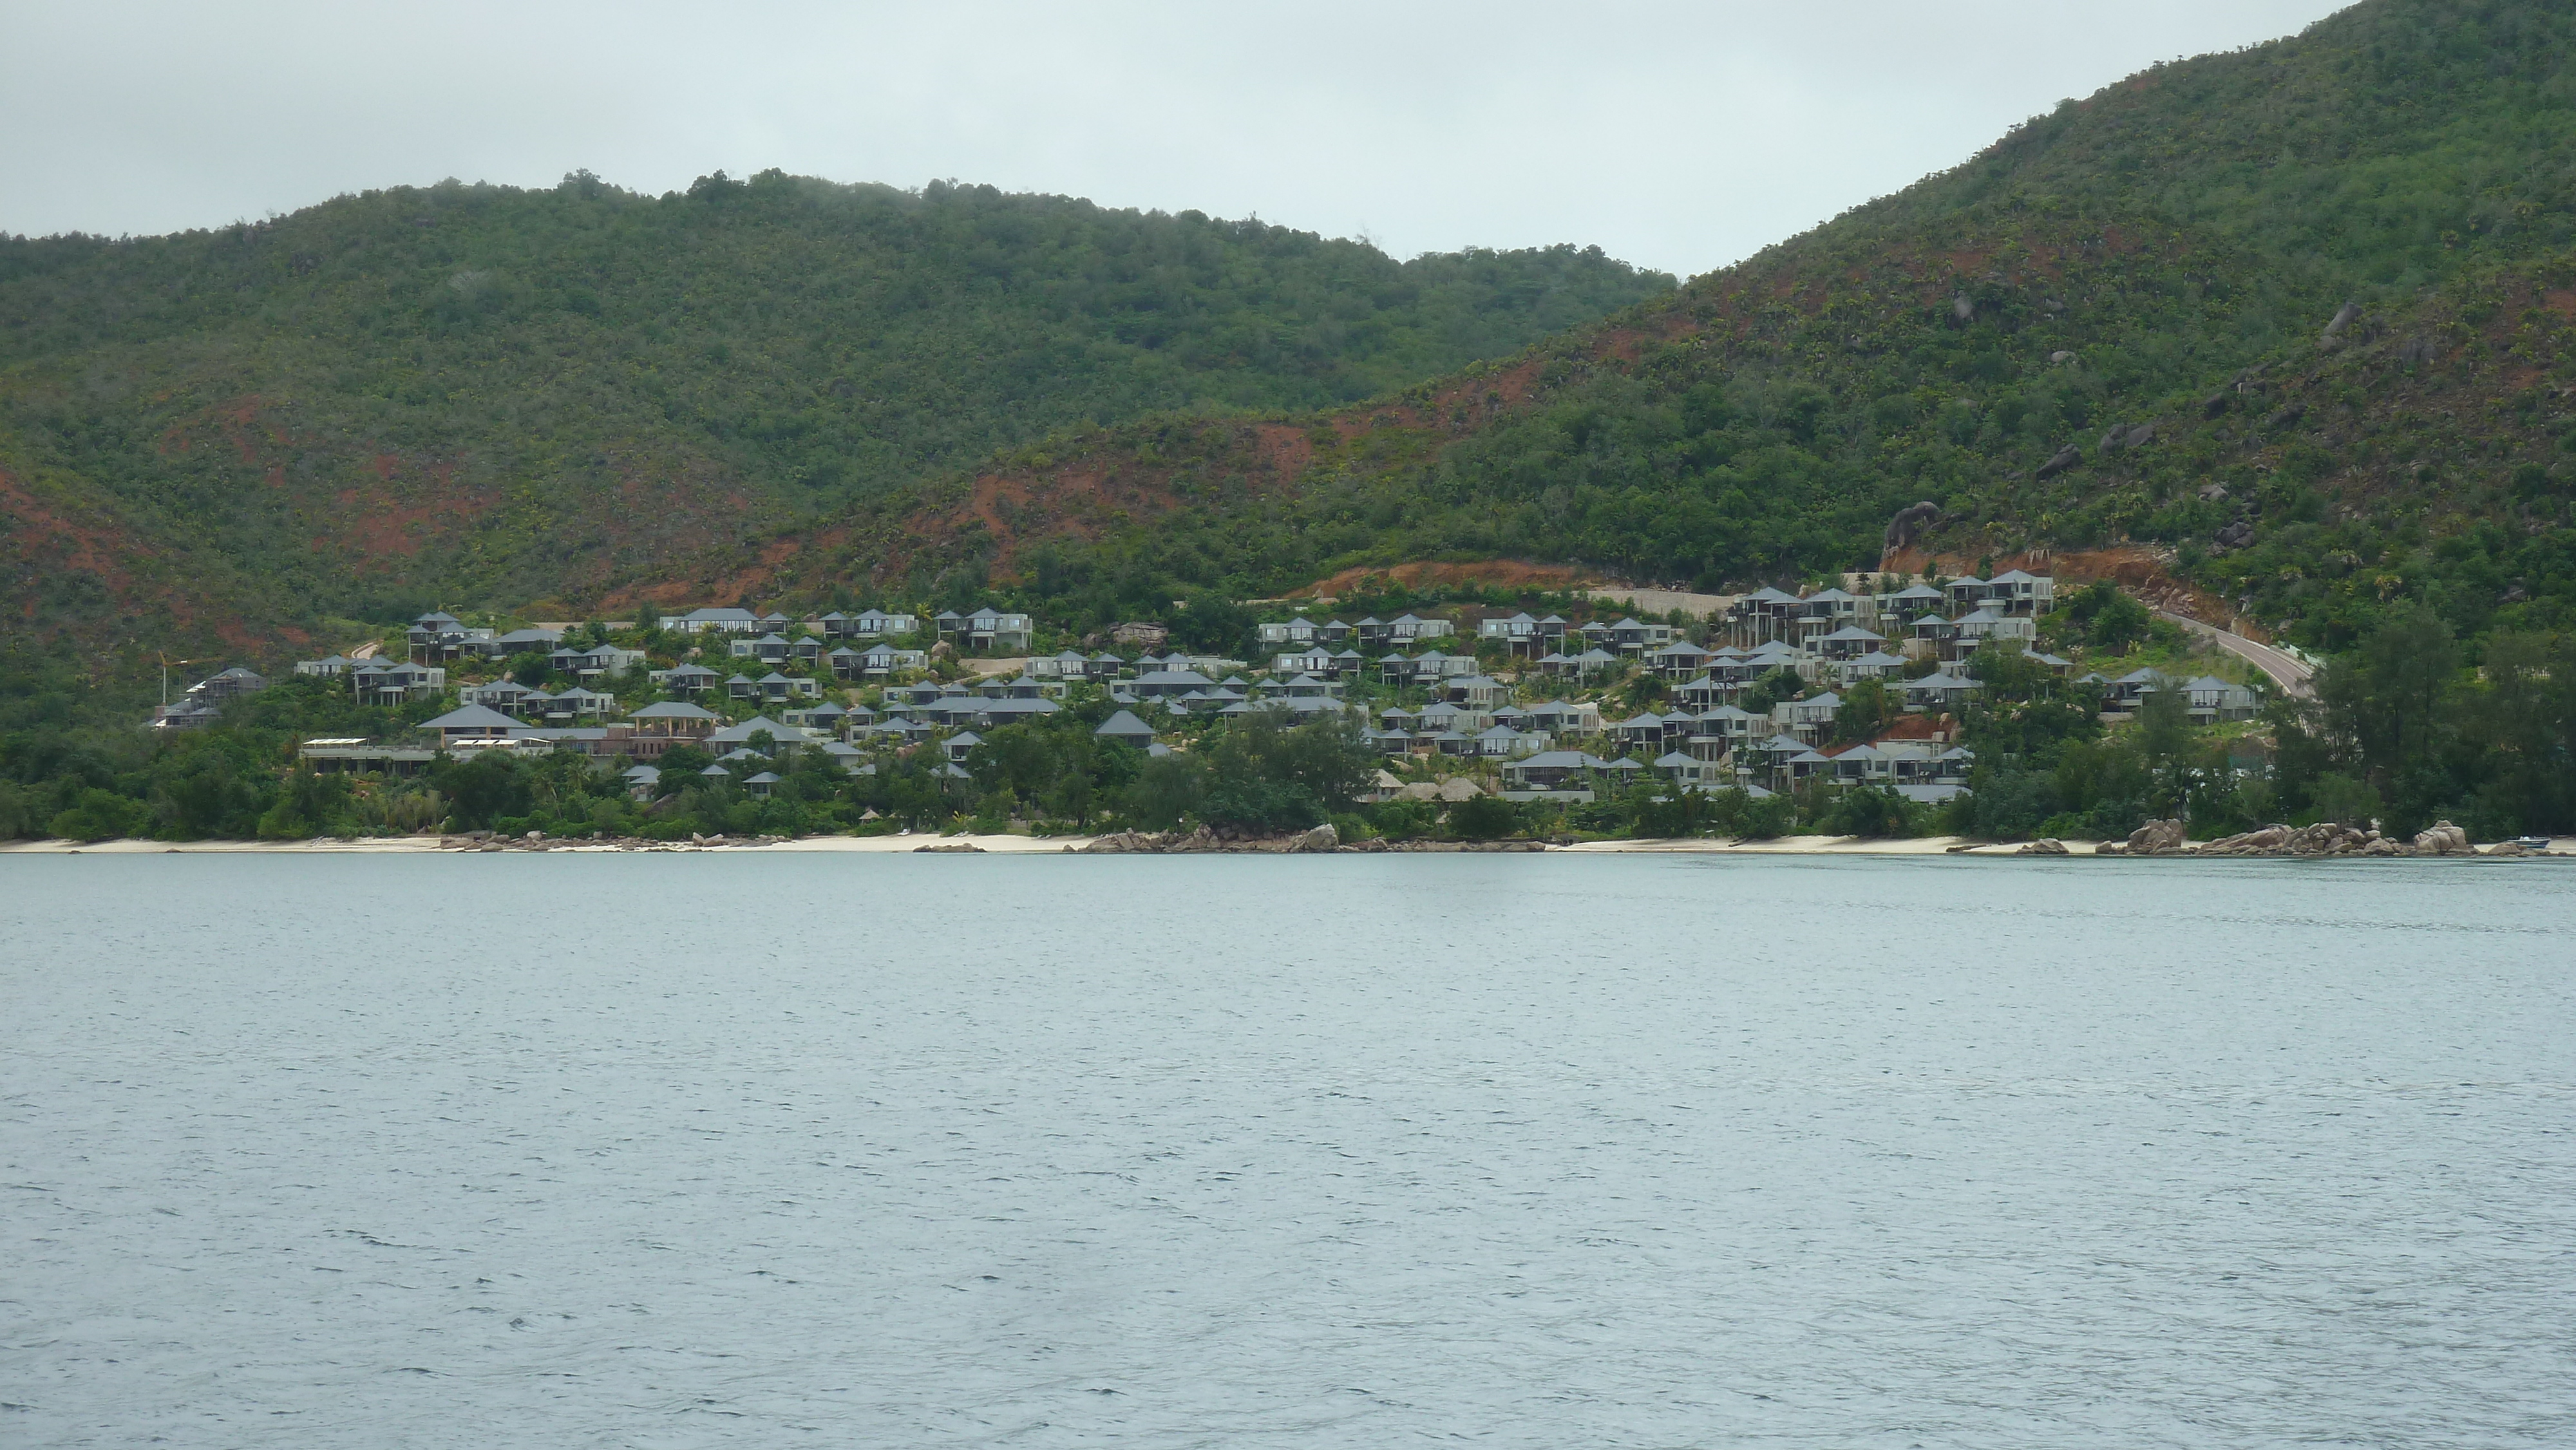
(1676, 136)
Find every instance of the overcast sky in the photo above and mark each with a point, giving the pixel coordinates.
(1678, 136)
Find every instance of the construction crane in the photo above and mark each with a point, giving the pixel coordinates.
(166, 663)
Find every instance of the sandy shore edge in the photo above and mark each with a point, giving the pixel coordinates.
(991, 845)
(1056, 845)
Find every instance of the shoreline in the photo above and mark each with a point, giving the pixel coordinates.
(1072, 845)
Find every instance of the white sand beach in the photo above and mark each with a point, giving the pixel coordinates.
(994, 845)
(1058, 845)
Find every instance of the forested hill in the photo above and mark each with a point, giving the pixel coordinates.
(2299, 315)
(476, 395)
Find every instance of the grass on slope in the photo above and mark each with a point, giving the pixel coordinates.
(474, 393)
(2164, 256)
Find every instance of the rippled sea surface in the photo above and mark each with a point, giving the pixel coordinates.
(759, 1150)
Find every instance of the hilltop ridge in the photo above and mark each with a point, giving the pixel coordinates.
(2297, 317)
(478, 395)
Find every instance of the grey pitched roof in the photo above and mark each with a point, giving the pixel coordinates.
(471, 717)
(744, 731)
(1123, 723)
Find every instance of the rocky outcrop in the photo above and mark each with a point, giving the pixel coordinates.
(2342, 319)
(2044, 846)
(2325, 838)
(2442, 839)
(2157, 838)
(1118, 843)
(1910, 523)
(1213, 838)
(1322, 838)
(2065, 458)
(2120, 438)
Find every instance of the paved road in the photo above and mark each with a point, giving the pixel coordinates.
(2296, 679)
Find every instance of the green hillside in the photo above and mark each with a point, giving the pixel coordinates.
(2167, 255)
(476, 395)
(2287, 334)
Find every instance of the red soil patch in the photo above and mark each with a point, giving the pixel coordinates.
(1287, 448)
(39, 528)
(2562, 302)
(45, 541)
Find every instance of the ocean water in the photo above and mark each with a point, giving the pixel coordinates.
(1525, 1151)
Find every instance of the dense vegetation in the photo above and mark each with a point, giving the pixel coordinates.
(480, 395)
(2293, 329)
(2405, 731)
(2075, 340)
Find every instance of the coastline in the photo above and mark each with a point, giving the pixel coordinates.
(1071, 845)
(988, 845)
